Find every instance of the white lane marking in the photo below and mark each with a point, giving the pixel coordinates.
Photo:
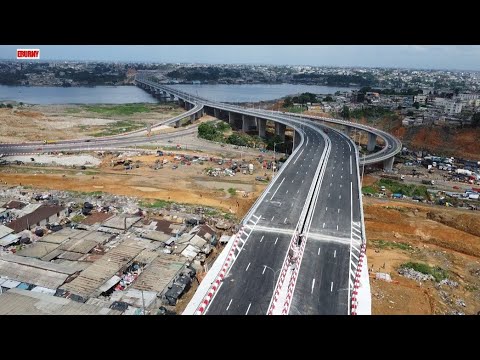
(302, 181)
(313, 285)
(349, 147)
(339, 211)
(298, 156)
(326, 209)
(248, 309)
(319, 251)
(331, 289)
(332, 175)
(286, 192)
(264, 268)
(272, 217)
(340, 185)
(335, 253)
(262, 238)
(337, 227)
(306, 172)
(229, 304)
(247, 267)
(276, 241)
(328, 195)
(310, 165)
(330, 184)
(297, 192)
(297, 172)
(285, 221)
(292, 183)
(323, 226)
(277, 189)
(351, 165)
(339, 196)
(341, 176)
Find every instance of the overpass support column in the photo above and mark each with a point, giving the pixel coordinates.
(177, 123)
(231, 119)
(372, 141)
(216, 113)
(192, 118)
(172, 97)
(245, 123)
(280, 130)
(347, 130)
(388, 164)
(181, 102)
(262, 126)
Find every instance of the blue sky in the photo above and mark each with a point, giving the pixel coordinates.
(461, 57)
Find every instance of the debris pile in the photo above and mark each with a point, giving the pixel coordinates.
(415, 275)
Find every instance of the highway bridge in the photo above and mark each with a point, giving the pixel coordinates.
(300, 246)
(298, 249)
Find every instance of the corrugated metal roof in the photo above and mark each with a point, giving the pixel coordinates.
(112, 281)
(134, 297)
(78, 245)
(31, 275)
(44, 290)
(45, 265)
(88, 282)
(11, 284)
(9, 239)
(156, 235)
(69, 255)
(23, 302)
(190, 251)
(4, 231)
(159, 273)
(146, 256)
(29, 220)
(118, 222)
(37, 250)
(198, 241)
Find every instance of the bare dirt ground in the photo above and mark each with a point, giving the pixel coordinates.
(39, 122)
(186, 184)
(437, 236)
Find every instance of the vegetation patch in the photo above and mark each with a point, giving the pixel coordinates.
(232, 191)
(119, 127)
(78, 218)
(117, 110)
(404, 189)
(384, 244)
(437, 272)
(157, 204)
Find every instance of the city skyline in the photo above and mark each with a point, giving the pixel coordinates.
(435, 57)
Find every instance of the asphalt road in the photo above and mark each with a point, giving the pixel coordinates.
(249, 285)
(322, 283)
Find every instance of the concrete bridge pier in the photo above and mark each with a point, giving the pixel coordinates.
(192, 118)
(372, 141)
(199, 114)
(247, 123)
(172, 97)
(262, 127)
(181, 102)
(216, 113)
(280, 130)
(388, 164)
(232, 120)
(347, 130)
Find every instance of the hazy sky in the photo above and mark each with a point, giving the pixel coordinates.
(461, 57)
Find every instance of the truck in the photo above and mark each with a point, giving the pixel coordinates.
(392, 176)
(428, 182)
(49, 141)
(250, 169)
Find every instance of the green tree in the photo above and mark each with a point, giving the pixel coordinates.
(328, 98)
(416, 105)
(287, 102)
(9, 106)
(345, 113)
